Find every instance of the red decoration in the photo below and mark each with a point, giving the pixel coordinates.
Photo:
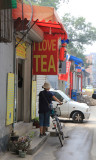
(62, 54)
(64, 77)
(78, 70)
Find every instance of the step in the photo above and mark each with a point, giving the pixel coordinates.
(36, 143)
(22, 128)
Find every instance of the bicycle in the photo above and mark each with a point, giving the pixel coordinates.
(57, 124)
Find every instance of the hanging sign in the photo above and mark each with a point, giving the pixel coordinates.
(65, 76)
(33, 100)
(78, 70)
(45, 56)
(10, 99)
(21, 49)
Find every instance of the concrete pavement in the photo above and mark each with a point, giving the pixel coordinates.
(23, 129)
(36, 143)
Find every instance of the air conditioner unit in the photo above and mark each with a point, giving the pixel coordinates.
(34, 34)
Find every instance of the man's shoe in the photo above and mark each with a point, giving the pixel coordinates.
(41, 135)
(54, 128)
(44, 134)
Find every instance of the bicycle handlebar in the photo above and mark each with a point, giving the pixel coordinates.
(59, 104)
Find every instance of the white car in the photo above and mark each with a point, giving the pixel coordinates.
(71, 109)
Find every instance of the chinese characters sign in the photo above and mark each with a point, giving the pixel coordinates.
(21, 49)
(33, 100)
(45, 56)
(10, 99)
(65, 76)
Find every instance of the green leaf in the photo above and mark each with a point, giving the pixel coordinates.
(80, 33)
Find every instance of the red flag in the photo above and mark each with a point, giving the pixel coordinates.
(65, 76)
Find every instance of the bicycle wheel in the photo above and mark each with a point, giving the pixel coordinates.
(60, 133)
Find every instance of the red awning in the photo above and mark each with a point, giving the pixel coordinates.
(52, 28)
(48, 20)
(17, 13)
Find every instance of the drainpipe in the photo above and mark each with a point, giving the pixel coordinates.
(31, 81)
(15, 84)
(22, 18)
(81, 81)
(71, 82)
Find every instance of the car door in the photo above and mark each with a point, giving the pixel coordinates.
(64, 107)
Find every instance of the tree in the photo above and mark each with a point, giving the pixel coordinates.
(80, 34)
(49, 3)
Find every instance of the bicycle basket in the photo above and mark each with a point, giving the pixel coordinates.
(57, 111)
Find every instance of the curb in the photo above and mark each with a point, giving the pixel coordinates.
(36, 144)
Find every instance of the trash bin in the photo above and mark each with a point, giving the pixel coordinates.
(74, 94)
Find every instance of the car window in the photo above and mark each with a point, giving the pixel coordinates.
(64, 95)
(57, 95)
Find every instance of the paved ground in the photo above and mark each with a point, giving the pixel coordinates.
(81, 144)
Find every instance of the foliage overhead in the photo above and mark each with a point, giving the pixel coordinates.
(80, 34)
(49, 3)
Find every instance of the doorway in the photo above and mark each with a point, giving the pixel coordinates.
(20, 90)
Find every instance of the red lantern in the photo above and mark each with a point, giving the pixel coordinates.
(62, 54)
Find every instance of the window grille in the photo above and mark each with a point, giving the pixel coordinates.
(6, 25)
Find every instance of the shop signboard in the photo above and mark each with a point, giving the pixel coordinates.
(45, 56)
(33, 100)
(10, 99)
(79, 70)
(21, 49)
(65, 76)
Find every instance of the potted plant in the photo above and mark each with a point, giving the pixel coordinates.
(22, 145)
(36, 122)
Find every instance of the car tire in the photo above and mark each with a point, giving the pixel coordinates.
(77, 117)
